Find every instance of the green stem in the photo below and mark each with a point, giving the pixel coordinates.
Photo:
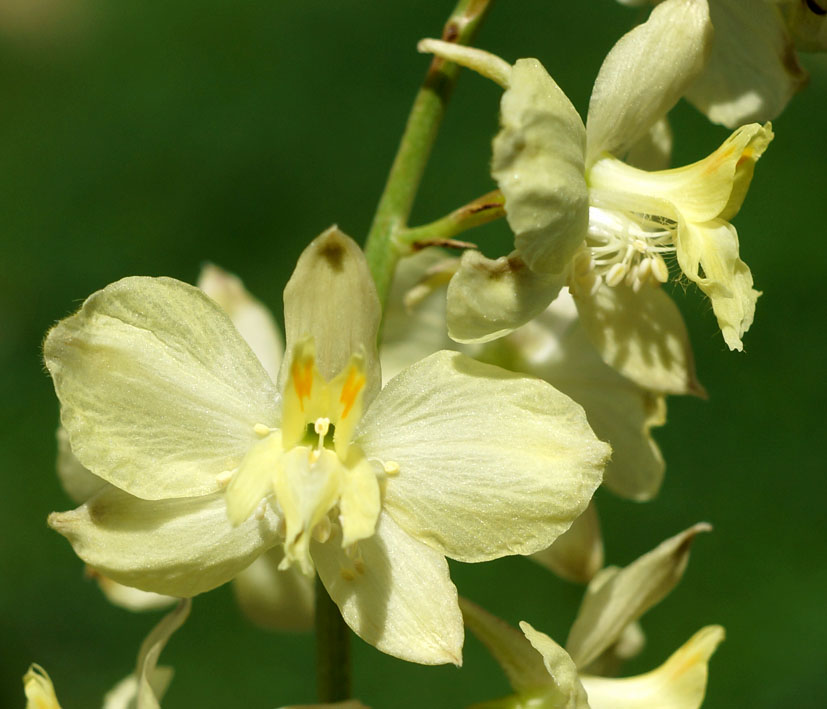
(397, 199)
(441, 232)
(332, 649)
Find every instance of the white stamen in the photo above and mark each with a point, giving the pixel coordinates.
(261, 510)
(262, 430)
(616, 274)
(659, 268)
(321, 532)
(391, 467)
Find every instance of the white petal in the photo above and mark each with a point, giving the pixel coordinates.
(331, 298)
(538, 165)
(752, 70)
(77, 482)
(274, 599)
(654, 150)
(645, 74)
(132, 599)
(561, 668)
(490, 462)
(617, 597)
(488, 298)
(577, 555)
(519, 660)
(178, 547)
(253, 320)
(679, 683)
(643, 336)
(159, 393)
(398, 597)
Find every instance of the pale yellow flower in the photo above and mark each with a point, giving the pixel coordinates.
(211, 464)
(580, 215)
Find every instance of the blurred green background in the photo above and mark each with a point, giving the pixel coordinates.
(146, 138)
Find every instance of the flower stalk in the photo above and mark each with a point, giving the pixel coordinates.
(397, 199)
(332, 649)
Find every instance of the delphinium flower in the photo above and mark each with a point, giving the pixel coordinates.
(583, 216)
(752, 70)
(544, 674)
(211, 463)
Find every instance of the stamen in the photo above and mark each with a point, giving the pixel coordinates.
(223, 479)
(261, 510)
(262, 430)
(321, 532)
(391, 467)
(321, 427)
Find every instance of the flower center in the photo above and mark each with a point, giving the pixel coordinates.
(623, 247)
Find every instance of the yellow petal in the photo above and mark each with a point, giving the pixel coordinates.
(39, 690)
(679, 683)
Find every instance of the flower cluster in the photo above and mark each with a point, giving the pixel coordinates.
(203, 448)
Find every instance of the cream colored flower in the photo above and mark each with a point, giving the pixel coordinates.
(211, 464)
(545, 675)
(583, 216)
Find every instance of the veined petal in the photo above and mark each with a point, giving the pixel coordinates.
(397, 595)
(489, 298)
(520, 662)
(577, 555)
(178, 547)
(752, 70)
(478, 482)
(708, 255)
(645, 74)
(567, 686)
(641, 335)
(679, 683)
(538, 163)
(706, 189)
(253, 320)
(617, 597)
(331, 298)
(159, 393)
(275, 599)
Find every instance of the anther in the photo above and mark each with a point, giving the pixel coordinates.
(391, 467)
(659, 269)
(322, 426)
(321, 532)
(261, 510)
(616, 274)
(261, 430)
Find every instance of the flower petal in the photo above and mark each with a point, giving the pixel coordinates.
(617, 597)
(641, 335)
(159, 393)
(274, 599)
(653, 151)
(645, 74)
(39, 690)
(133, 599)
(489, 298)
(253, 320)
(508, 646)
(476, 481)
(708, 255)
(538, 165)
(577, 555)
(752, 70)
(77, 482)
(569, 690)
(398, 597)
(178, 547)
(679, 683)
(331, 298)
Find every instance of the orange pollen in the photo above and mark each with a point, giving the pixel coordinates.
(302, 374)
(353, 385)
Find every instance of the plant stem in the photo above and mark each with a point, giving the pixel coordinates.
(441, 232)
(332, 649)
(395, 204)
